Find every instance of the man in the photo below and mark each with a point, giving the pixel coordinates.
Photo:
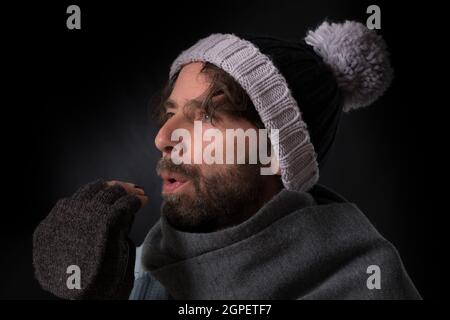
(228, 231)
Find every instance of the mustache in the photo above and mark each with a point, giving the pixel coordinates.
(188, 171)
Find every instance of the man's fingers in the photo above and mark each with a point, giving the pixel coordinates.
(131, 188)
(138, 191)
(143, 199)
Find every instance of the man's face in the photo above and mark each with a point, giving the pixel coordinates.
(203, 197)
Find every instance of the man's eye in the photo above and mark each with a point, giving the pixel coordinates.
(169, 115)
(205, 117)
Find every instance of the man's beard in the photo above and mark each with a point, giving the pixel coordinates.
(228, 198)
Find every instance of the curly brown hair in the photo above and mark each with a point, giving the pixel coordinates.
(234, 101)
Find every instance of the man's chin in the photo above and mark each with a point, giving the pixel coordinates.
(178, 209)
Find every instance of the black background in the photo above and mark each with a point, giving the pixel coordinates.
(79, 111)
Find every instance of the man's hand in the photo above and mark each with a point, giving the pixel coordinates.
(89, 230)
(132, 189)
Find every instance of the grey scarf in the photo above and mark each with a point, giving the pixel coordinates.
(297, 246)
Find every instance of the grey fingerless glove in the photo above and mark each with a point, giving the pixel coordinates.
(88, 230)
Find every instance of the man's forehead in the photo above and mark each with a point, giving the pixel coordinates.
(190, 84)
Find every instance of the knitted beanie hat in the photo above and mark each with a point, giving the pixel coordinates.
(301, 87)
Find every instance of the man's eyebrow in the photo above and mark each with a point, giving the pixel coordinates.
(171, 104)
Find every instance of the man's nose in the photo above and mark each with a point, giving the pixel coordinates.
(163, 139)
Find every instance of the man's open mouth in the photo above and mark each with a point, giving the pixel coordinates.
(172, 182)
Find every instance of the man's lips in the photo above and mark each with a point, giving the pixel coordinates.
(172, 181)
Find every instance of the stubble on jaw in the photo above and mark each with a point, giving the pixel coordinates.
(225, 198)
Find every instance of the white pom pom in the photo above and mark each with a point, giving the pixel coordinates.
(358, 58)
